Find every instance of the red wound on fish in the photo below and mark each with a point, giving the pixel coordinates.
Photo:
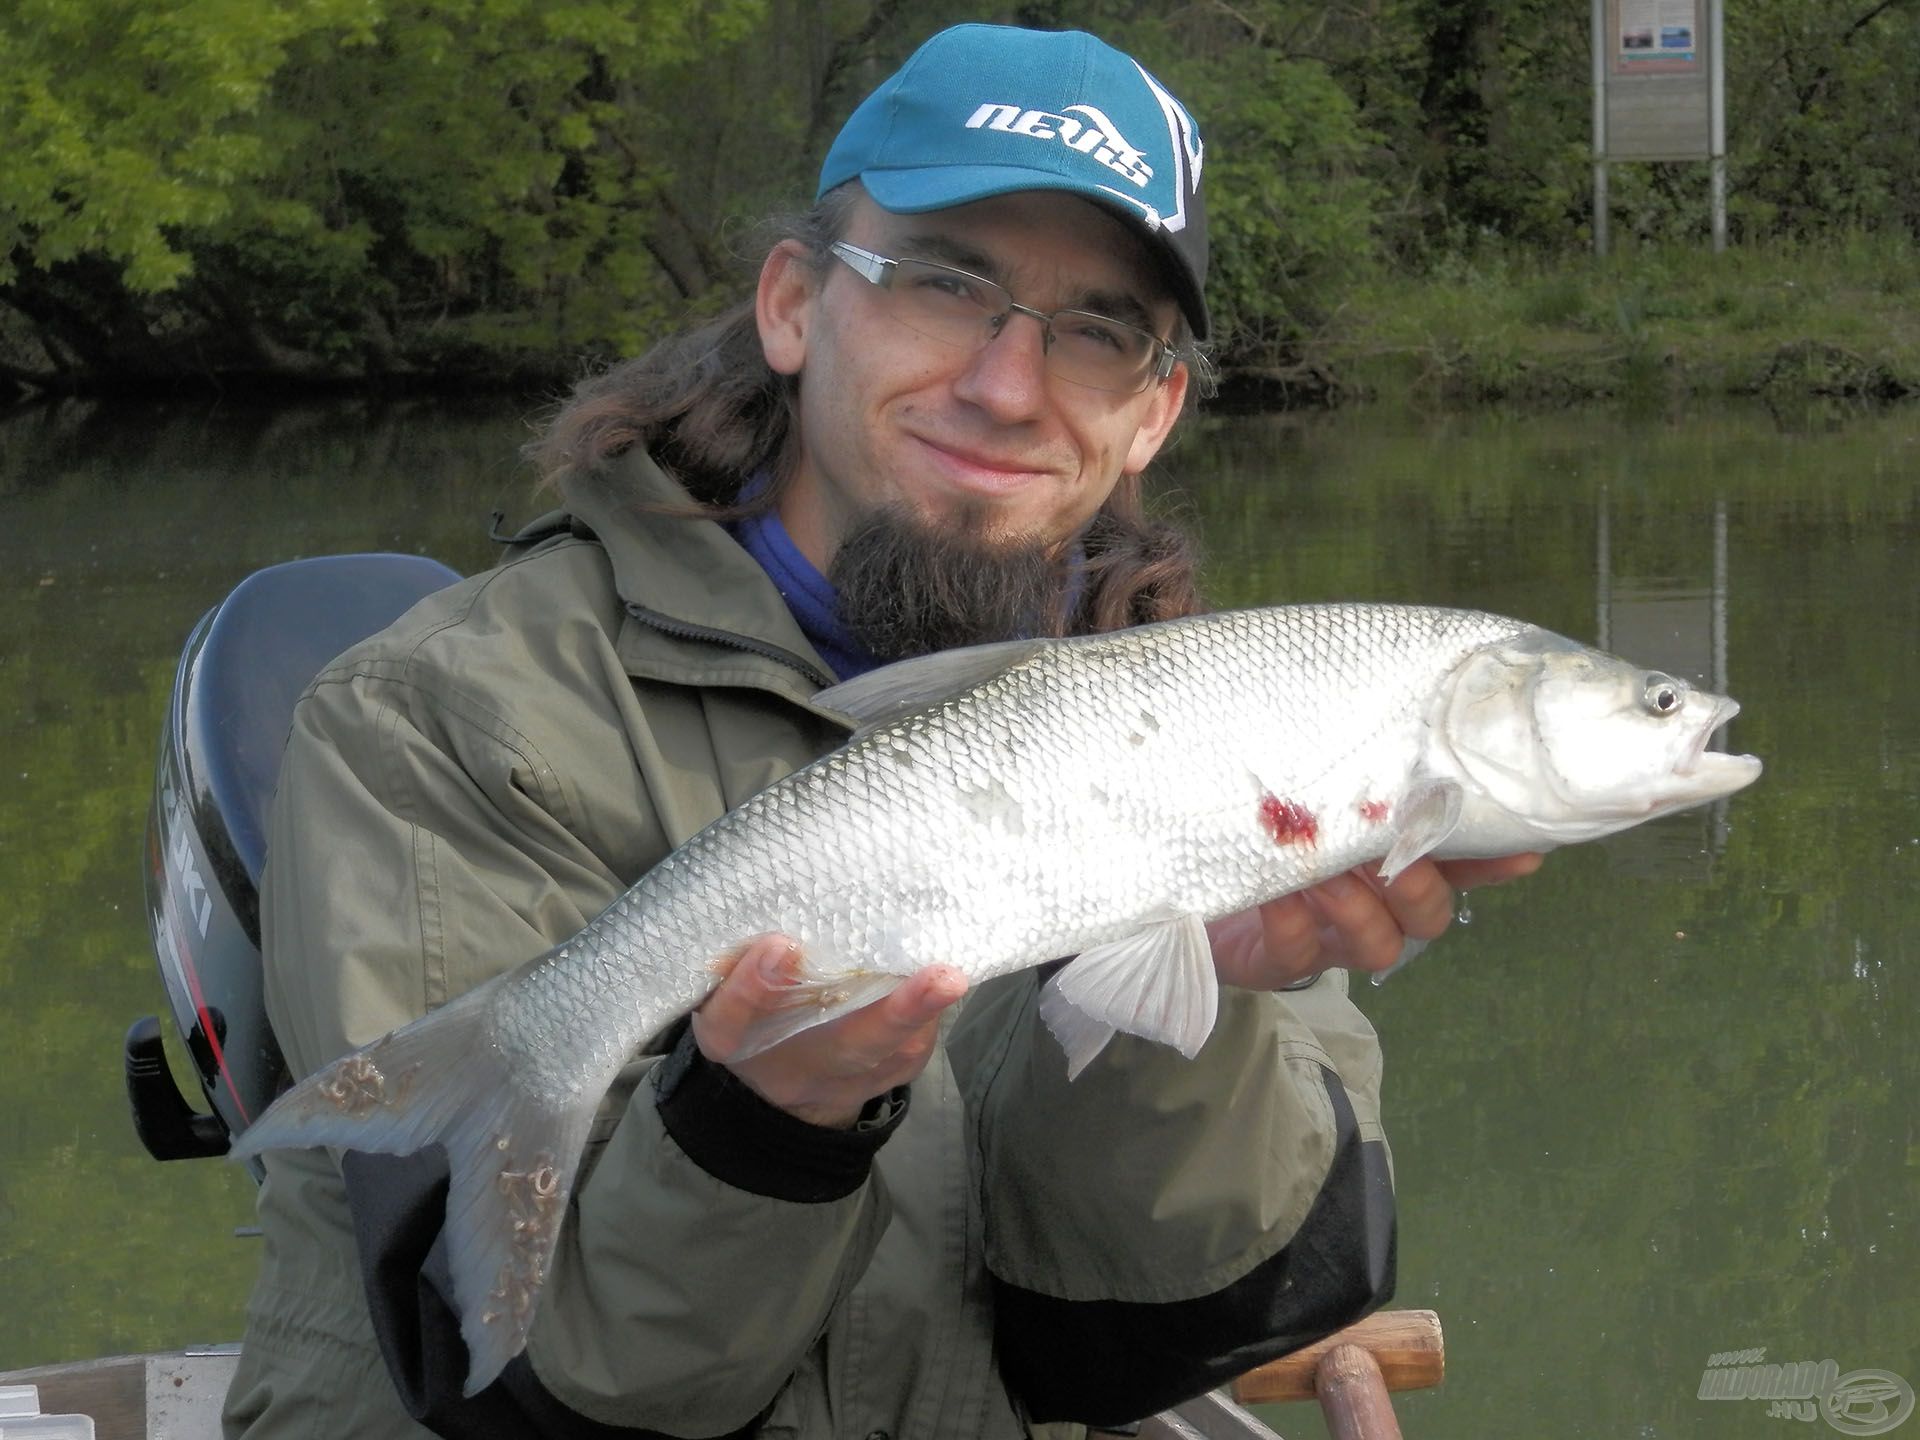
(1288, 821)
(1374, 811)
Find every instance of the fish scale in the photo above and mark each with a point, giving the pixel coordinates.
(1099, 797)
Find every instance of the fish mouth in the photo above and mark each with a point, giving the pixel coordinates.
(1715, 772)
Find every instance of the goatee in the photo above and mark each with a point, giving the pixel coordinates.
(908, 586)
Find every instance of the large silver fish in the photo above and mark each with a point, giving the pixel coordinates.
(1004, 806)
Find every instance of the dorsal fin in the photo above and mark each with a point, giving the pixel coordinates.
(909, 686)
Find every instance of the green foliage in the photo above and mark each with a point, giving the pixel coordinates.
(318, 189)
(132, 119)
(1290, 205)
(1512, 324)
(319, 175)
(1826, 100)
(504, 158)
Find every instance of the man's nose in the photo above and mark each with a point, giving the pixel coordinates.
(1007, 377)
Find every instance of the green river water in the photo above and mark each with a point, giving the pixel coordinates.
(1657, 1103)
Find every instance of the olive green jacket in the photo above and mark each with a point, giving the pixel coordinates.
(476, 783)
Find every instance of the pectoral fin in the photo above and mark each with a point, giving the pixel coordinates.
(1425, 816)
(1158, 983)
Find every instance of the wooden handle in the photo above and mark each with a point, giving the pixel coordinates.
(1353, 1396)
(1405, 1344)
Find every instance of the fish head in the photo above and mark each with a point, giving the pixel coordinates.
(1556, 742)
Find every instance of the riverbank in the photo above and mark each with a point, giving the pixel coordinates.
(1839, 319)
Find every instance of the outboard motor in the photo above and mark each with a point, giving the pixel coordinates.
(245, 664)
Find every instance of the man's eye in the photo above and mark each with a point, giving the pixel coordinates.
(1096, 333)
(948, 283)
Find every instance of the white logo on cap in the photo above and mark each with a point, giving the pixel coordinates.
(1080, 127)
(1187, 149)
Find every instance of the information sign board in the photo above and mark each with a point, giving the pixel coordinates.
(1657, 73)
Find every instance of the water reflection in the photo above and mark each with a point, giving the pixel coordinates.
(1652, 1105)
(1676, 623)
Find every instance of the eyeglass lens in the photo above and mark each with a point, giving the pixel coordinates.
(960, 309)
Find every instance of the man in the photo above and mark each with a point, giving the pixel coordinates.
(929, 428)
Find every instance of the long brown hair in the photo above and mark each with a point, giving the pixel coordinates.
(708, 407)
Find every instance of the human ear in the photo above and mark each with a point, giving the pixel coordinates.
(1168, 397)
(783, 306)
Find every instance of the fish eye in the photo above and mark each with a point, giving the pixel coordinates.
(1663, 694)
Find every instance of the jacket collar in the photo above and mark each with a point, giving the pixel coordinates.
(700, 610)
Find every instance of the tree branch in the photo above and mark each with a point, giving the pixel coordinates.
(1866, 20)
(843, 54)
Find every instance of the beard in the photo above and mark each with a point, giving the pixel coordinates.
(908, 586)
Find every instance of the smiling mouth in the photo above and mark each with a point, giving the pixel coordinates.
(988, 472)
(978, 461)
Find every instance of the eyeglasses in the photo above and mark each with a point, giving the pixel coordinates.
(956, 308)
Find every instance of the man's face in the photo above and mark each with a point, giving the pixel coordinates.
(891, 417)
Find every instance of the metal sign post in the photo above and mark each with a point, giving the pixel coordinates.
(1717, 119)
(1659, 93)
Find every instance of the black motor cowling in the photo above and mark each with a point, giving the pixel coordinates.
(244, 665)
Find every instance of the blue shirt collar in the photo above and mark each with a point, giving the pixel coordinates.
(809, 594)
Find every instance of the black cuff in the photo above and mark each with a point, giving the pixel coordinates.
(742, 1141)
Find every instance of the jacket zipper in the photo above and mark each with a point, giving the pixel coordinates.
(683, 630)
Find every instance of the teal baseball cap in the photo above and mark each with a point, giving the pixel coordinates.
(984, 110)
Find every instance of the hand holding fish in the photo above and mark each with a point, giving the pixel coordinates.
(825, 1075)
(1353, 921)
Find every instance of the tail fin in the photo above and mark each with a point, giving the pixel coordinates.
(512, 1156)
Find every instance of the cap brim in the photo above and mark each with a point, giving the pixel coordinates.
(914, 191)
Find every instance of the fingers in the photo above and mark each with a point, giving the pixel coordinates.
(827, 1073)
(1353, 920)
(1361, 927)
(1419, 902)
(1271, 946)
(1349, 920)
(900, 1027)
(1341, 922)
(756, 979)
